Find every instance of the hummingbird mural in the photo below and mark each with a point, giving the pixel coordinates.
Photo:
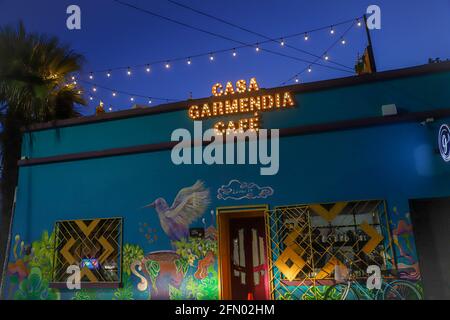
(189, 204)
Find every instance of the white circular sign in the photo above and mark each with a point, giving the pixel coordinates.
(444, 142)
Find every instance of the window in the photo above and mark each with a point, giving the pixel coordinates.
(311, 242)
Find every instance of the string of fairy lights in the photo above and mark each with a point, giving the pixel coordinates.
(323, 60)
(281, 41)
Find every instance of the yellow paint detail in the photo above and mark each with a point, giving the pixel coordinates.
(87, 229)
(375, 237)
(108, 249)
(65, 251)
(328, 269)
(290, 272)
(88, 273)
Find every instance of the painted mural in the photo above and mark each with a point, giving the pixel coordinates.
(403, 239)
(29, 272)
(186, 268)
(319, 255)
(189, 205)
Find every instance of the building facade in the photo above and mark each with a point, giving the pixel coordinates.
(103, 195)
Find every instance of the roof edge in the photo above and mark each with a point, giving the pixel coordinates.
(306, 87)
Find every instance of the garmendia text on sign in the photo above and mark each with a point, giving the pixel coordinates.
(240, 105)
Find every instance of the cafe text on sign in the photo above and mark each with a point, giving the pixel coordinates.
(236, 105)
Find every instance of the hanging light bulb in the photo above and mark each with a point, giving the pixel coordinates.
(129, 71)
(306, 37)
(90, 98)
(282, 43)
(257, 48)
(74, 83)
(94, 89)
(331, 30)
(309, 69)
(147, 68)
(149, 101)
(167, 65)
(132, 99)
(211, 57)
(108, 74)
(110, 109)
(296, 79)
(73, 78)
(234, 53)
(326, 57)
(343, 41)
(91, 76)
(189, 61)
(358, 23)
(114, 94)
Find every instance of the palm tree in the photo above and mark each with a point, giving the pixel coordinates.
(34, 71)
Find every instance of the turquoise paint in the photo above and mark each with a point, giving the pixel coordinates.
(418, 93)
(392, 162)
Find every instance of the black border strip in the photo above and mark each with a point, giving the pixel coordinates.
(286, 132)
(307, 87)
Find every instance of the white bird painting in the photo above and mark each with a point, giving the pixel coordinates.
(189, 205)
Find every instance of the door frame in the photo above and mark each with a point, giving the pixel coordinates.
(223, 215)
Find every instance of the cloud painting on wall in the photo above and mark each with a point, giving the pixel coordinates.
(238, 190)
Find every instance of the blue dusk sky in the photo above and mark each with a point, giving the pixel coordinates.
(113, 35)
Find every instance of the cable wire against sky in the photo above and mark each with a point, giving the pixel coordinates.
(340, 39)
(211, 54)
(240, 43)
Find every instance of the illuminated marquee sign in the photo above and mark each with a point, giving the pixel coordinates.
(236, 105)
